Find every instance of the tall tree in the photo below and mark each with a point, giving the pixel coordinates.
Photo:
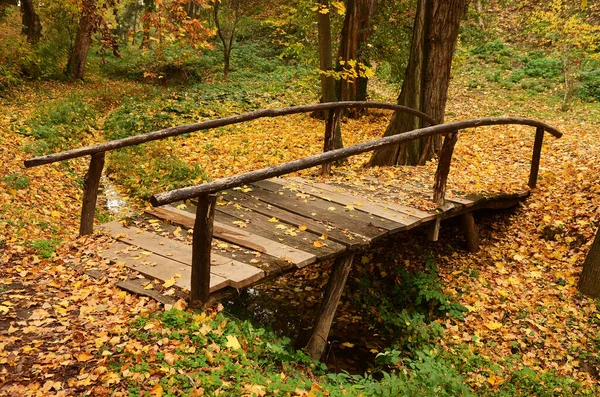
(352, 60)
(88, 21)
(326, 64)
(426, 81)
(589, 282)
(32, 26)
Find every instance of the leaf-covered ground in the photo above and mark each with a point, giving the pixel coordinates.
(63, 329)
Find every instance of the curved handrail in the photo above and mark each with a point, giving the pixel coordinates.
(318, 159)
(205, 125)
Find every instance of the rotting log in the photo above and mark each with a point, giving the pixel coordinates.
(218, 185)
(201, 247)
(471, 231)
(90, 194)
(535, 158)
(443, 168)
(329, 139)
(333, 292)
(206, 125)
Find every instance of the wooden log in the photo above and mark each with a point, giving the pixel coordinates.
(434, 229)
(218, 185)
(205, 125)
(90, 194)
(471, 231)
(333, 292)
(535, 158)
(443, 168)
(328, 140)
(201, 247)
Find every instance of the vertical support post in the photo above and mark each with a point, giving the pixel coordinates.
(535, 158)
(90, 194)
(443, 168)
(329, 139)
(471, 231)
(331, 298)
(201, 246)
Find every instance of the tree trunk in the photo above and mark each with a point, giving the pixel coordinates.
(426, 81)
(326, 66)
(87, 23)
(226, 41)
(354, 38)
(589, 282)
(32, 27)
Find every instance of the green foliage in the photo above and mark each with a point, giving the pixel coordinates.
(590, 85)
(58, 125)
(495, 51)
(17, 181)
(45, 248)
(537, 64)
(17, 57)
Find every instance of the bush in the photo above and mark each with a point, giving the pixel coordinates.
(590, 85)
(17, 58)
(59, 125)
(495, 51)
(17, 181)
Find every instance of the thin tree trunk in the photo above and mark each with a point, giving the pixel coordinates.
(326, 66)
(425, 85)
(76, 65)
(32, 27)
(354, 38)
(135, 16)
(589, 282)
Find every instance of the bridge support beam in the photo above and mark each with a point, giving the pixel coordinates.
(471, 231)
(201, 247)
(333, 292)
(90, 194)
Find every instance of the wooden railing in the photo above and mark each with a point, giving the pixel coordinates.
(97, 152)
(206, 193)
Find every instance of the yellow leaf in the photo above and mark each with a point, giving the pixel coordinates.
(157, 390)
(280, 227)
(348, 344)
(493, 325)
(181, 206)
(273, 220)
(169, 283)
(55, 214)
(148, 286)
(318, 243)
(302, 227)
(232, 342)
(331, 208)
(349, 207)
(84, 356)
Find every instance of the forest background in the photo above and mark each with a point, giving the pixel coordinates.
(506, 321)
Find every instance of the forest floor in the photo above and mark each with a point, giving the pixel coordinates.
(63, 330)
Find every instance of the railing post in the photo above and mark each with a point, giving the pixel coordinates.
(90, 194)
(329, 139)
(443, 168)
(535, 158)
(201, 246)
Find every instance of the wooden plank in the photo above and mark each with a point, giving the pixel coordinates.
(238, 273)
(158, 267)
(317, 209)
(423, 216)
(347, 208)
(289, 235)
(338, 195)
(136, 286)
(461, 200)
(349, 239)
(245, 239)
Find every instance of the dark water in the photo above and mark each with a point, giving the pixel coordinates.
(352, 345)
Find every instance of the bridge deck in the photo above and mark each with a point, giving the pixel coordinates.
(276, 226)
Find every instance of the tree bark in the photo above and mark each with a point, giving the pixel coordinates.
(87, 23)
(32, 27)
(589, 282)
(356, 32)
(326, 65)
(426, 81)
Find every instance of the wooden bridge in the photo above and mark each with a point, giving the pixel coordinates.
(255, 226)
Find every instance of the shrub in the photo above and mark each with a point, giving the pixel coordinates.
(590, 85)
(58, 125)
(17, 181)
